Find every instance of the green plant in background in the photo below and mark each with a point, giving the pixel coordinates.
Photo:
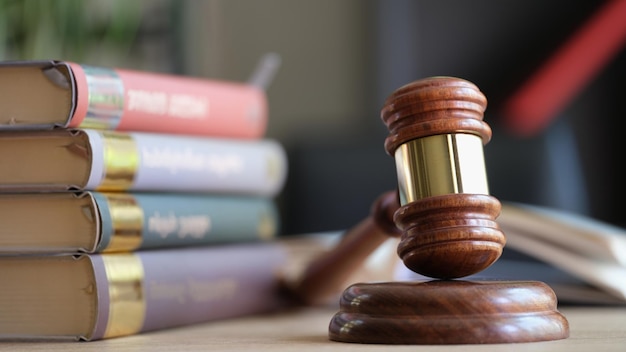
(94, 31)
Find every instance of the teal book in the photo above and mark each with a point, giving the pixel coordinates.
(94, 222)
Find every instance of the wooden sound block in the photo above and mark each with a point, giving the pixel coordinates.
(448, 312)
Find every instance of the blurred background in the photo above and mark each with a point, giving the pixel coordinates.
(340, 60)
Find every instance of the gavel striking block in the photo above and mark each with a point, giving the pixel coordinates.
(449, 231)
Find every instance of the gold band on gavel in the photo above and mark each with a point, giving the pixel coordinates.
(441, 164)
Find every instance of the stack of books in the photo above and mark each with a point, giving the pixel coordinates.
(132, 201)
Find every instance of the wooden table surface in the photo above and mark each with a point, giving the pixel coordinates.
(592, 329)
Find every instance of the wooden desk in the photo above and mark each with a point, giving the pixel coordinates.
(592, 329)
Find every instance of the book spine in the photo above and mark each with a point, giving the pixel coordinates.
(160, 162)
(138, 221)
(161, 289)
(127, 100)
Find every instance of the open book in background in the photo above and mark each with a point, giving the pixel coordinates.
(582, 259)
(581, 247)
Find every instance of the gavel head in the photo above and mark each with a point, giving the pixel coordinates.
(447, 216)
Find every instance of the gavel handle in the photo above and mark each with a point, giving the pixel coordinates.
(326, 275)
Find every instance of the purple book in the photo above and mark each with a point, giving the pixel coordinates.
(96, 296)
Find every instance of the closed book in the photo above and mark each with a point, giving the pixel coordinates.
(90, 222)
(49, 94)
(96, 296)
(77, 159)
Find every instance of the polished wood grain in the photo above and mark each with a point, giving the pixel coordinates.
(325, 275)
(450, 236)
(454, 235)
(431, 106)
(448, 312)
(444, 236)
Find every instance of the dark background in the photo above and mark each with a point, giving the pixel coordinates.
(340, 60)
(574, 165)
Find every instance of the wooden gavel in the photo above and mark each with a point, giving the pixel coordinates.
(442, 207)
(446, 218)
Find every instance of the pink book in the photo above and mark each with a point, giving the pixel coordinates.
(49, 94)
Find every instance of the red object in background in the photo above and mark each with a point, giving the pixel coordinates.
(539, 100)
